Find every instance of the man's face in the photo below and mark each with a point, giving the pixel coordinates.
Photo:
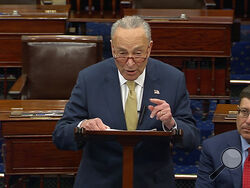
(134, 44)
(243, 119)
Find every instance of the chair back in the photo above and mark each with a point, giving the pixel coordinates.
(52, 63)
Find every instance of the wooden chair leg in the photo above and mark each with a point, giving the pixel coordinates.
(228, 76)
(6, 181)
(90, 3)
(58, 181)
(41, 181)
(25, 180)
(233, 4)
(213, 76)
(205, 104)
(101, 8)
(5, 83)
(245, 8)
(114, 8)
(78, 6)
(221, 4)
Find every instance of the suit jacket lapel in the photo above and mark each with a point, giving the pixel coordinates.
(236, 174)
(151, 90)
(112, 94)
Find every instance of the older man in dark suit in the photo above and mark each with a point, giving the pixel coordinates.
(108, 91)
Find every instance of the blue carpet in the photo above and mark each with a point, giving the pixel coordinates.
(245, 32)
(240, 64)
(186, 169)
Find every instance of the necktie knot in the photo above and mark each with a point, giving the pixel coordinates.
(131, 85)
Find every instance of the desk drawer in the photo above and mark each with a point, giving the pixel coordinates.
(28, 127)
(34, 155)
(35, 26)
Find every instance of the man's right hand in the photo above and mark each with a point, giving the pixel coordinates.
(94, 124)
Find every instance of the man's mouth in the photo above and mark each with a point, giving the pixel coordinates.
(130, 71)
(246, 129)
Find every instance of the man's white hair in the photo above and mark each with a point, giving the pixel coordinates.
(129, 22)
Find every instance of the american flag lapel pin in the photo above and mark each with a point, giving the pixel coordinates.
(156, 92)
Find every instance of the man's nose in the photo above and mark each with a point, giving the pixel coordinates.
(130, 61)
(248, 119)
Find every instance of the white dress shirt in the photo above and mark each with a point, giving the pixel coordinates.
(244, 150)
(139, 83)
(139, 93)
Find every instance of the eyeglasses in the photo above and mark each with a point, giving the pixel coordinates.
(243, 112)
(137, 58)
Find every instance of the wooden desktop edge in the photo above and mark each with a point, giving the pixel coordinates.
(83, 132)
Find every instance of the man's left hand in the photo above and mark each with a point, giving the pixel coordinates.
(161, 111)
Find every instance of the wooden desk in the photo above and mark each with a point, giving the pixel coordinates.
(31, 20)
(205, 33)
(220, 123)
(28, 147)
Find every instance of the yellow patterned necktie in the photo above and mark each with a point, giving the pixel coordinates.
(131, 107)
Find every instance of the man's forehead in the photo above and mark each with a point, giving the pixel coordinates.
(245, 103)
(135, 48)
(128, 31)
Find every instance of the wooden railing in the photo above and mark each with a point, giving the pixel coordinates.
(115, 11)
(100, 8)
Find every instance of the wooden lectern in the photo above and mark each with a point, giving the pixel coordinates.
(128, 140)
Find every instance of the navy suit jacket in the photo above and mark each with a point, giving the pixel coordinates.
(210, 160)
(97, 93)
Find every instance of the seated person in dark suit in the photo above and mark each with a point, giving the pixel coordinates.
(215, 148)
(104, 97)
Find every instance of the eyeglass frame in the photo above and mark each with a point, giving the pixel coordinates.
(243, 115)
(132, 57)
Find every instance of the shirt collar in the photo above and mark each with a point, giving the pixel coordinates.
(244, 144)
(138, 81)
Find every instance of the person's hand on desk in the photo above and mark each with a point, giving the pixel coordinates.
(94, 124)
(162, 112)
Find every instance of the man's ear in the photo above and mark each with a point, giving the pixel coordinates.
(151, 44)
(112, 47)
(150, 47)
